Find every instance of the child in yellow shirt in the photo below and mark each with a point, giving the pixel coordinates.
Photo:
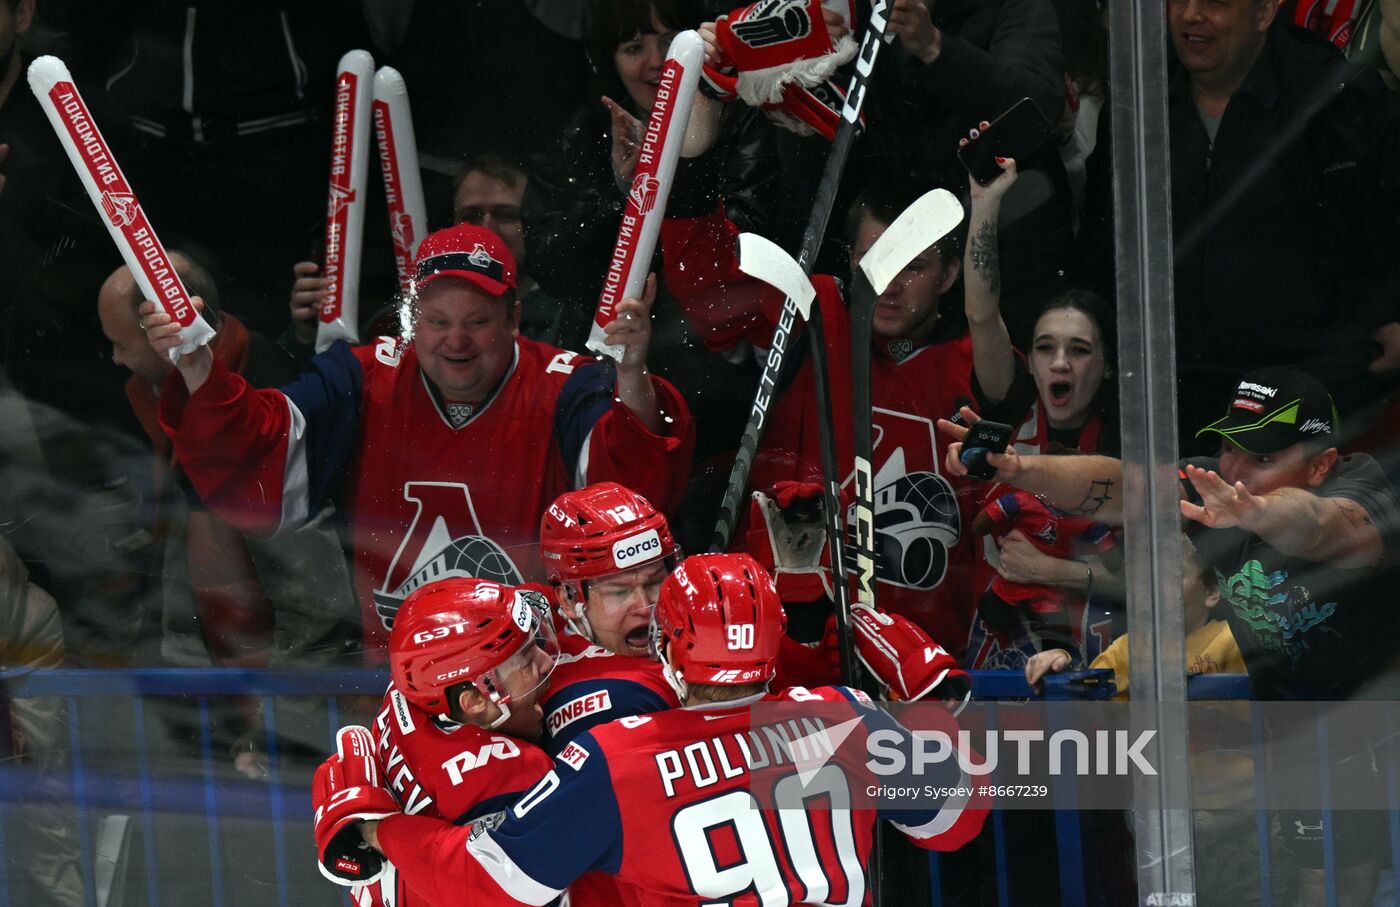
(1210, 646)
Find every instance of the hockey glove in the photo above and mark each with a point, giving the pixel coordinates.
(799, 495)
(346, 791)
(787, 535)
(906, 659)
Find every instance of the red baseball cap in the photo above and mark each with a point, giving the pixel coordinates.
(468, 251)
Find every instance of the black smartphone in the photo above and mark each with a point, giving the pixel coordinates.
(1016, 134)
(982, 438)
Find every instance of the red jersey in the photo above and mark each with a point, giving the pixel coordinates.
(429, 489)
(592, 686)
(1051, 531)
(667, 803)
(438, 768)
(925, 556)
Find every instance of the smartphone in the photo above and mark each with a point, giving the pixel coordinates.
(1016, 134)
(982, 438)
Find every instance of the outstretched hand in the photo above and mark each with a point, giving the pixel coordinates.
(1022, 562)
(1050, 662)
(631, 330)
(836, 27)
(1222, 505)
(308, 293)
(1008, 464)
(912, 22)
(714, 56)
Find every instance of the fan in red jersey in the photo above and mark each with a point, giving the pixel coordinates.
(719, 626)
(423, 439)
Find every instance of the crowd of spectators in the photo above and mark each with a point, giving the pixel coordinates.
(256, 504)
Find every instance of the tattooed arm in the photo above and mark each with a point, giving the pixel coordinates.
(1087, 485)
(992, 355)
(1295, 521)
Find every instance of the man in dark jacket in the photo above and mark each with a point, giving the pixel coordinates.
(1286, 191)
(1285, 196)
(230, 597)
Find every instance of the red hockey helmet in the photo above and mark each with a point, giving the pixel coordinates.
(720, 621)
(476, 631)
(600, 530)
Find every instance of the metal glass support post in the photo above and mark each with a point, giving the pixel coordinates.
(1143, 248)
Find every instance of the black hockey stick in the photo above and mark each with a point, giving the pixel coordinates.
(788, 320)
(919, 226)
(931, 217)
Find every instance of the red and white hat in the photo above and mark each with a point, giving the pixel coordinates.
(468, 251)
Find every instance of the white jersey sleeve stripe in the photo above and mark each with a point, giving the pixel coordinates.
(948, 814)
(581, 471)
(505, 873)
(296, 487)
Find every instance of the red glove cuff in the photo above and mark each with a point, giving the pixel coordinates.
(346, 791)
(904, 657)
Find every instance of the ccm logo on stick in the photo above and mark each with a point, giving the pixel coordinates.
(636, 549)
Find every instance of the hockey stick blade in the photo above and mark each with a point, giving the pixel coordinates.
(763, 259)
(930, 218)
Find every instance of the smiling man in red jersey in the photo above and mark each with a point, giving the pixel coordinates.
(445, 445)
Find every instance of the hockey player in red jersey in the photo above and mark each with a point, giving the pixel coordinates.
(920, 372)
(445, 449)
(620, 798)
(605, 551)
(455, 736)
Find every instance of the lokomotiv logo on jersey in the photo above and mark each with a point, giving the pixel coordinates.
(444, 540)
